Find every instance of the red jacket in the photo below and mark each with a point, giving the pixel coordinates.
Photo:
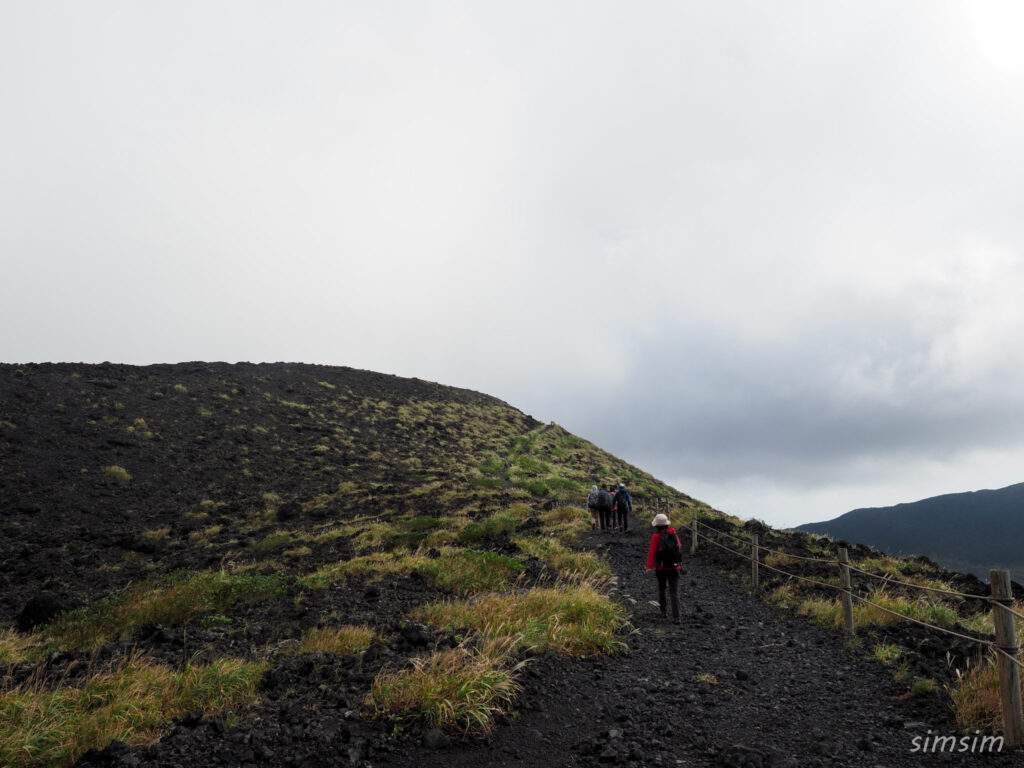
(655, 538)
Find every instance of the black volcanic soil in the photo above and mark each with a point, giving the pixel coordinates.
(781, 693)
(212, 436)
(738, 683)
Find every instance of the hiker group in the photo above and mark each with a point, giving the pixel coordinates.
(610, 509)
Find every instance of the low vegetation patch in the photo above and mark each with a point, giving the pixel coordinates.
(469, 572)
(14, 647)
(975, 697)
(573, 619)
(779, 560)
(568, 565)
(495, 525)
(339, 640)
(169, 600)
(461, 689)
(46, 727)
(887, 653)
(829, 613)
(120, 474)
(375, 566)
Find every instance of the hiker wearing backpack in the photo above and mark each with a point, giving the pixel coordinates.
(665, 556)
(592, 508)
(623, 506)
(604, 508)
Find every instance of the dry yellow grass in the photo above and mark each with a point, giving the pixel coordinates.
(40, 726)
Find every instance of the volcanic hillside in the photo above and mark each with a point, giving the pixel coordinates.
(296, 565)
(110, 473)
(197, 513)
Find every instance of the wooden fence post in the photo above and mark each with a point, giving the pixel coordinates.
(755, 577)
(1009, 674)
(844, 574)
(693, 533)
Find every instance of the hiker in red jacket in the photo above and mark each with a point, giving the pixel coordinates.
(665, 556)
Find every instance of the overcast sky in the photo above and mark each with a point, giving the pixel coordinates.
(772, 252)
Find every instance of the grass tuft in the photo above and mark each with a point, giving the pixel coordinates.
(14, 647)
(569, 565)
(461, 689)
(120, 474)
(573, 619)
(975, 697)
(339, 640)
(887, 653)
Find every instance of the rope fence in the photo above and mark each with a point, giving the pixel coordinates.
(796, 576)
(1004, 649)
(889, 579)
(766, 549)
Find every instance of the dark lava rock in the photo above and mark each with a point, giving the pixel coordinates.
(40, 609)
(289, 511)
(435, 738)
(739, 756)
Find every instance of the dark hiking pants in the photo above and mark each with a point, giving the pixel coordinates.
(606, 518)
(622, 518)
(668, 580)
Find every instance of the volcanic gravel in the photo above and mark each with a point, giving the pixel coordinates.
(737, 683)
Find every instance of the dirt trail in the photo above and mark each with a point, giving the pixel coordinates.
(736, 683)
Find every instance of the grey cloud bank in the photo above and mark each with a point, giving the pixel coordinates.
(771, 252)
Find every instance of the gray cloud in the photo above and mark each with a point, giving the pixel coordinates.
(772, 253)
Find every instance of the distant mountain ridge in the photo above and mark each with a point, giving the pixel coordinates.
(970, 532)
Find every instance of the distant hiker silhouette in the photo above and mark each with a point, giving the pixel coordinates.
(665, 556)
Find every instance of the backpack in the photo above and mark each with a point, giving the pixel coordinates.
(622, 500)
(668, 554)
(604, 499)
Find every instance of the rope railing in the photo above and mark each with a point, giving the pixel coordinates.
(888, 578)
(1004, 647)
(766, 549)
(1006, 608)
(954, 633)
(777, 570)
(880, 576)
(838, 588)
(1009, 656)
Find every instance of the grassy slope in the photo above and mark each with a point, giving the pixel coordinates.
(235, 487)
